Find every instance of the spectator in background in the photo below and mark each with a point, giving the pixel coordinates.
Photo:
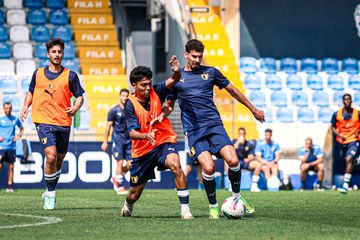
(311, 157)
(8, 124)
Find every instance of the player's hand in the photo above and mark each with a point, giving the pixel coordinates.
(174, 64)
(157, 120)
(151, 136)
(71, 111)
(1, 139)
(17, 137)
(104, 146)
(24, 113)
(259, 115)
(342, 137)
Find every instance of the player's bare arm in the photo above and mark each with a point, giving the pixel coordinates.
(104, 145)
(176, 72)
(27, 103)
(249, 158)
(19, 135)
(337, 134)
(71, 111)
(136, 135)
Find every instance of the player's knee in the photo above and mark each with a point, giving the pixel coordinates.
(51, 158)
(233, 162)
(209, 169)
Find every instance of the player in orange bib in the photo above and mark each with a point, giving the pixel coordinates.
(153, 137)
(346, 126)
(50, 91)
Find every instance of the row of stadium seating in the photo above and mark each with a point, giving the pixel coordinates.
(32, 4)
(28, 66)
(35, 17)
(291, 65)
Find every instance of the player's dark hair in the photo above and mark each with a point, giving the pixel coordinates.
(242, 129)
(194, 44)
(139, 73)
(7, 103)
(268, 130)
(124, 90)
(346, 95)
(55, 42)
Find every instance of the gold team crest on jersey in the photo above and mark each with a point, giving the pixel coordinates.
(116, 154)
(205, 76)
(44, 140)
(134, 179)
(192, 152)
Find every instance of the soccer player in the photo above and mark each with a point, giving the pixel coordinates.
(121, 142)
(50, 91)
(202, 122)
(245, 151)
(8, 138)
(311, 157)
(346, 126)
(153, 136)
(267, 153)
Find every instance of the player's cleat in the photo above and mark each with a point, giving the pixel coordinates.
(9, 190)
(249, 208)
(49, 202)
(255, 188)
(343, 190)
(214, 213)
(126, 211)
(121, 191)
(186, 215)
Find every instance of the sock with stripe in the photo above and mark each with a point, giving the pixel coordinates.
(235, 177)
(210, 187)
(183, 195)
(51, 180)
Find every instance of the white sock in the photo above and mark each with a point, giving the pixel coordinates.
(185, 208)
(51, 194)
(236, 195)
(255, 179)
(119, 179)
(129, 205)
(347, 177)
(214, 205)
(254, 184)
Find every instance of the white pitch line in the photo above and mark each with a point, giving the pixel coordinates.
(48, 220)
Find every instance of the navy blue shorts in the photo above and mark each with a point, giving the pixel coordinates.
(142, 168)
(350, 149)
(51, 135)
(122, 151)
(211, 139)
(8, 156)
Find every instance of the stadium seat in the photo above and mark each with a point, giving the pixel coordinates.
(325, 114)
(2, 17)
(299, 98)
(33, 4)
(356, 100)
(315, 82)
(350, 65)
(36, 17)
(40, 34)
(40, 51)
(330, 65)
(7, 67)
(273, 82)
(253, 82)
(268, 115)
(14, 99)
(71, 64)
(284, 115)
(69, 51)
(25, 67)
(248, 65)
(354, 82)
(84, 121)
(55, 4)
(58, 17)
(320, 98)
(16, 17)
(288, 65)
(309, 65)
(4, 34)
(294, 82)
(13, 4)
(22, 51)
(19, 34)
(335, 82)
(63, 32)
(258, 98)
(268, 65)
(305, 115)
(43, 63)
(25, 83)
(5, 51)
(278, 98)
(9, 85)
(337, 98)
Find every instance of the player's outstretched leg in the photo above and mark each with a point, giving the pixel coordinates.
(173, 163)
(133, 195)
(51, 177)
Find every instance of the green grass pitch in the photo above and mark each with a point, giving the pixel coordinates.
(94, 214)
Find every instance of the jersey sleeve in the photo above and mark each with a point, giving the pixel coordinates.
(33, 82)
(251, 148)
(219, 79)
(18, 122)
(74, 85)
(161, 90)
(258, 149)
(301, 152)
(172, 94)
(333, 119)
(319, 152)
(131, 118)
(277, 148)
(111, 115)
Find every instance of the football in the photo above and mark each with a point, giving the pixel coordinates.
(233, 208)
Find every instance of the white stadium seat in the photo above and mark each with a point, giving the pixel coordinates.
(25, 67)
(19, 34)
(16, 17)
(13, 4)
(7, 67)
(22, 51)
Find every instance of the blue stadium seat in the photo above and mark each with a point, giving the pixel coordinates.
(4, 34)
(305, 115)
(337, 98)
(294, 82)
(44, 63)
(63, 32)
(320, 98)
(350, 65)
(356, 99)
(5, 51)
(40, 51)
(354, 82)
(40, 34)
(36, 17)
(248, 65)
(268, 115)
(58, 17)
(330, 65)
(278, 98)
(55, 4)
(14, 99)
(72, 65)
(309, 65)
(2, 17)
(299, 98)
(288, 65)
(258, 98)
(33, 4)
(268, 65)
(24, 84)
(69, 51)
(9, 85)
(252, 81)
(284, 115)
(315, 82)
(325, 114)
(335, 82)
(273, 82)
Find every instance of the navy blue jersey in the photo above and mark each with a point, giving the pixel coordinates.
(116, 115)
(244, 150)
(74, 82)
(346, 116)
(195, 93)
(131, 118)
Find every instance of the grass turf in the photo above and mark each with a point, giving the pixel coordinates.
(94, 214)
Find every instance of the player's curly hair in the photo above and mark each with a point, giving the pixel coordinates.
(55, 42)
(139, 73)
(194, 44)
